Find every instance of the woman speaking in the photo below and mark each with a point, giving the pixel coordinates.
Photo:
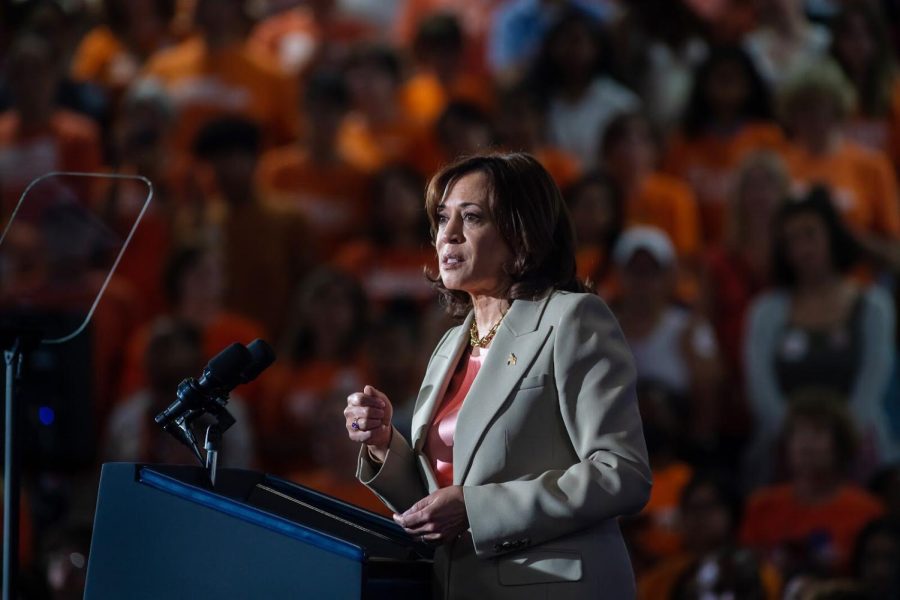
(526, 437)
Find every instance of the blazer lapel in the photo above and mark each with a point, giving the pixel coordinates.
(499, 374)
(436, 380)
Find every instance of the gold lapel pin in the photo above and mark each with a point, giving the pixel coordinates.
(511, 360)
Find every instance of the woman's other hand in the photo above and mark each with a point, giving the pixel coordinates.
(437, 518)
(368, 415)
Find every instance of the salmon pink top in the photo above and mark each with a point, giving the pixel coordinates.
(439, 444)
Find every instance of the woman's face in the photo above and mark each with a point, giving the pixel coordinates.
(760, 192)
(706, 520)
(811, 449)
(806, 244)
(593, 213)
(645, 283)
(471, 253)
(634, 152)
(727, 87)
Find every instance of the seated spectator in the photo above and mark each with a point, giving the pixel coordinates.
(194, 286)
(629, 154)
(309, 34)
(522, 127)
(390, 262)
(819, 328)
(709, 515)
(320, 360)
(113, 53)
(810, 523)
(784, 41)
(174, 352)
(861, 47)
(596, 205)
(265, 247)
(214, 74)
(312, 176)
(815, 105)
(672, 348)
(580, 96)
(737, 269)
(654, 533)
(37, 136)
(728, 116)
(441, 77)
(378, 131)
(875, 558)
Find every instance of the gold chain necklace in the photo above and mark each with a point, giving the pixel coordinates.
(477, 342)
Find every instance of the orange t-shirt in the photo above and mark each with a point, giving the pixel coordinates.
(292, 38)
(777, 521)
(208, 84)
(661, 536)
(68, 142)
(562, 166)
(424, 97)
(669, 204)
(332, 197)
(103, 59)
(709, 164)
(862, 182)
(371, 146)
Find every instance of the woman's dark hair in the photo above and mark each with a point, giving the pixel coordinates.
(546, 74)
(727, 493)
(756, 105)
(116, 12)
(300, 339)
(378, 56)
(874, 97)
(528, 210)
(604, 180)
(843, 249)
(381, 234)
(824, 408)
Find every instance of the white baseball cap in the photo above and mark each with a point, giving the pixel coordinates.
(652, 240)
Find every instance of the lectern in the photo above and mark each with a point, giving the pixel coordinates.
(165, 532)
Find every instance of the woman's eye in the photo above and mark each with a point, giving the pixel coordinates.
(442, 219)
(472, 217)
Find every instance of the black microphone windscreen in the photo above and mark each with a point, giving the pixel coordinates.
(226, 367)
(262, 358)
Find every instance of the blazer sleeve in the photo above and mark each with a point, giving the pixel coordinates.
(595, 382)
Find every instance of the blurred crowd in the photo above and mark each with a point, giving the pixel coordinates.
(731, 167)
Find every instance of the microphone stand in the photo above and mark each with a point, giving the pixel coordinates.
(16, 344)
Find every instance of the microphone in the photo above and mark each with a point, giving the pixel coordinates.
(221, 375)
(262, 357)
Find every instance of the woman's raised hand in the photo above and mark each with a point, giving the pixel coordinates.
(368, 416)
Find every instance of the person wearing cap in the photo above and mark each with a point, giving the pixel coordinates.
(526, 440)
(673, 348)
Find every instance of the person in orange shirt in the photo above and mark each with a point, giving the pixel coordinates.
(313, 34)
(267, 248)
(112, 54)
(36, 135)
(728, 116)
(441, 77)
(860, 45)
(213, 74)
(320, 361)
(522, 127)
(313, 177)
(651, 198)
(390, 262)
(709, 513)
(597, 209)
(815, 104)
(811, 521)
(194, 284)
(378, 131)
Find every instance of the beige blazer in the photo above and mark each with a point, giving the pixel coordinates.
(549, 451)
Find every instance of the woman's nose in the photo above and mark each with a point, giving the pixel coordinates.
(452, 231)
